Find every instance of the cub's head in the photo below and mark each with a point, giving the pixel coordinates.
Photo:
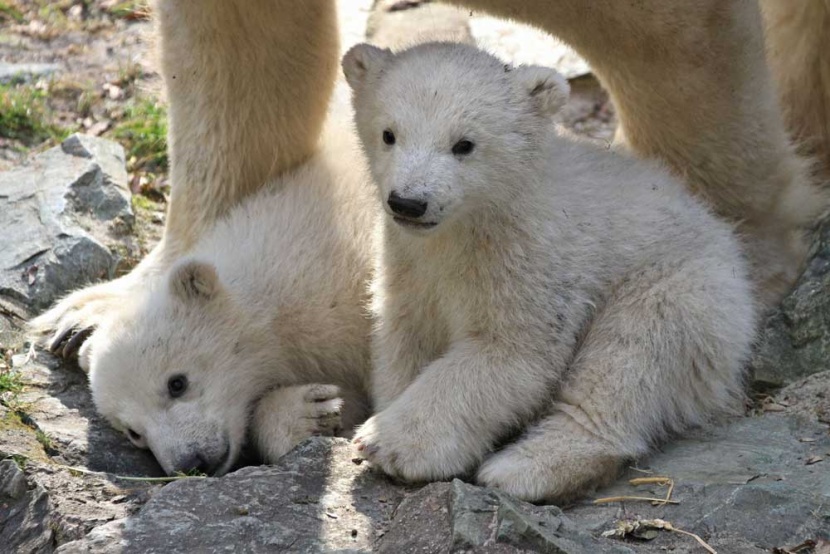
(180, 373)
(446, 127)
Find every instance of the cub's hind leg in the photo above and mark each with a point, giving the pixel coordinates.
(665, 352)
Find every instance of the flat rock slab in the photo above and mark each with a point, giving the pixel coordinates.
(315, 499)
(55, 213)
(748, 487)
(756, 484)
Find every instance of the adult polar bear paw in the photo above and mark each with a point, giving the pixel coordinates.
(287, 415)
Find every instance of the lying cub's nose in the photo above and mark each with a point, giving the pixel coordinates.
(406, 207)
(192, 462)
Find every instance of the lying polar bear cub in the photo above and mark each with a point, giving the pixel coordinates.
(227, 346)
(532, 283)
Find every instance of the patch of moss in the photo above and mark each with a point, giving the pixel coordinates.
(24, 116)
(143, 133)
(18, 459)
(10, 382)
(129, 9)
(10, 12)
(143, 203)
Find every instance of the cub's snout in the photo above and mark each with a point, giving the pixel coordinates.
(407, 207)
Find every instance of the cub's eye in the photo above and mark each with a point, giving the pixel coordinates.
(176, 385)
(135, 437)
(462, 147)
(388, 137)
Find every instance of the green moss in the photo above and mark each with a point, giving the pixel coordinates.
(10, 382)
(18, 459)
(24, 116)
(129, 9)
(143, 203)
(44, 440)
(143, 133)
(10, 12)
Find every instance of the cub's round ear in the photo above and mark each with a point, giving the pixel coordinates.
(194, 281)
(545, 87)
(363, 60)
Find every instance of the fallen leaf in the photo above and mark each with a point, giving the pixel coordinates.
(813, 460)
(807, 439)
(99, 128)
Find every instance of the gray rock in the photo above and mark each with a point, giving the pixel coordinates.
(56, 213)
(24, 513)
(315, 499)
(750, 486)
(458, 517)
(71, 454)
(745, 487)
(795, 339)
(25, 72)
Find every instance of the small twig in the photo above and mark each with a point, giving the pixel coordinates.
(697, 538)
(657, 480)
(650, 481)
(638, 498)
(130, 478)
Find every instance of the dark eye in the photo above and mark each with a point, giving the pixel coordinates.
(176, 385)
(135, 437)
(388, 137)
(462, 147)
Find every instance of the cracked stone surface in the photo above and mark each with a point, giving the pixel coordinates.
(795, 339)
(54, 213)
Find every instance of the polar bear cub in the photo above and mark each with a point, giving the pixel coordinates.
(531, 283)
(226, 348)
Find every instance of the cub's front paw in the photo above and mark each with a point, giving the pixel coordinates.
(65, 329)
(411, 452)
(287, 415)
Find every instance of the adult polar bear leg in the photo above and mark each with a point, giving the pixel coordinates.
(248, 83)
(664, 354)
(798, 50)
(691, 86)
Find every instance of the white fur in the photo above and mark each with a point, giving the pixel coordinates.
(568, 291)
(273, 295)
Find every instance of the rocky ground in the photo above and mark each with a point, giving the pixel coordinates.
(75, 208)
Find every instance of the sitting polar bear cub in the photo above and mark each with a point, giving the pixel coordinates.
(228, 344)
(532, 283)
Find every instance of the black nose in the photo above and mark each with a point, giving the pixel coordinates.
(406, 207)
(192, 462)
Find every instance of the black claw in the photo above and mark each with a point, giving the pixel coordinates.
(74, 344)
(56, 346)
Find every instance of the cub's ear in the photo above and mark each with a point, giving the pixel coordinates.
(363, 60)
(545, 87)
(194, 281)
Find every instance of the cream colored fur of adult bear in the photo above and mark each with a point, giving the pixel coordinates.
(530, 282)
(226, 346)
(688, 80)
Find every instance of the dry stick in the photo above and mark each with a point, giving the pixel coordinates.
(640, 498)
(656, 481)
(128, 478)
(645, 481)
(697, 538)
